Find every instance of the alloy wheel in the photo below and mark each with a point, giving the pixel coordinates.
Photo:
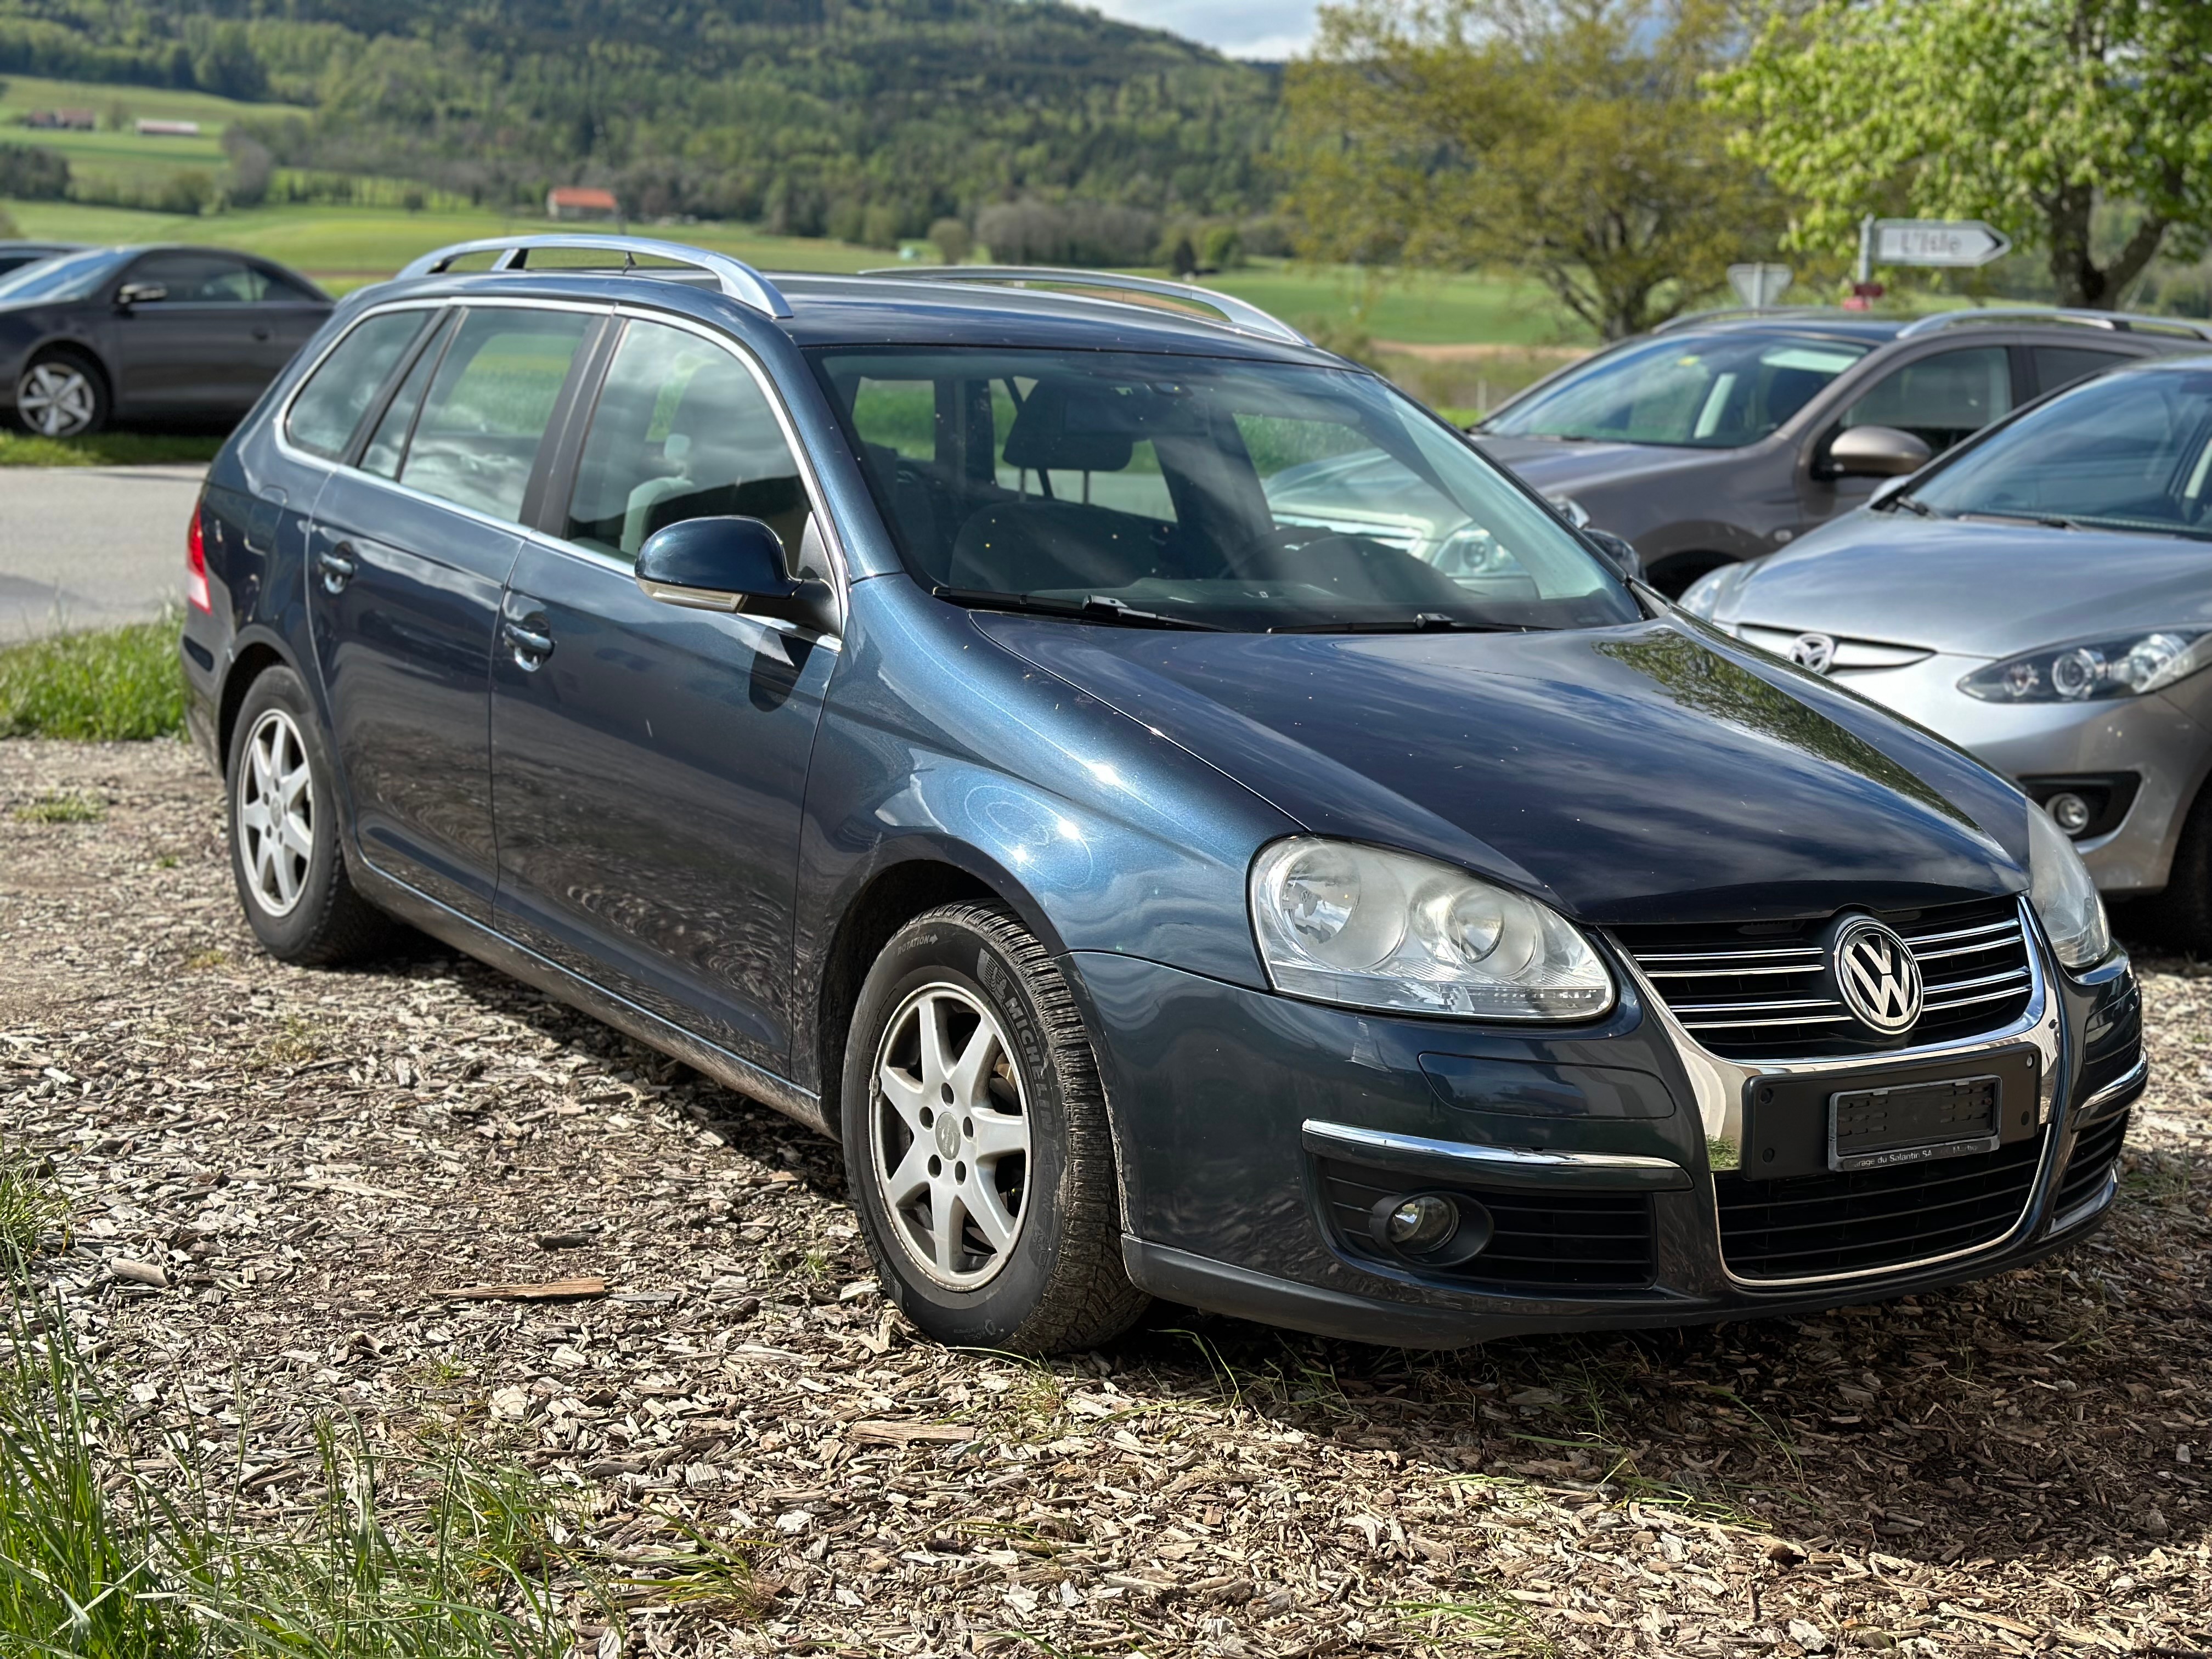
(952, 1147)
(57, 400)
(275, 813)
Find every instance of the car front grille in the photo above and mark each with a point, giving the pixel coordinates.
(1758, 990)
(2096, 1149)
(1814, 1225)
(1565, 1242)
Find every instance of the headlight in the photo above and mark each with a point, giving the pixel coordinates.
(2094, 669)
(2064, 894)
(1339, 922)
(1575, 512)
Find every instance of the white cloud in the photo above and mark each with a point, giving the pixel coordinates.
(1267, 29)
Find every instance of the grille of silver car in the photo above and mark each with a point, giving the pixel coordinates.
(1758, 990)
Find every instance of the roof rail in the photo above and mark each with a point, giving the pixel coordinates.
(2119, 322)
(737, 280)
(1744, 314)
(1239, 314)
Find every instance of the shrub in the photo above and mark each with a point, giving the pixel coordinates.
(952, 239)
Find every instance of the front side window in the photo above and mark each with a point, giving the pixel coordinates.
(477, 440)
(339, 393)
(681, 431)
(1213, 492)
(200, 279)
(2130, 451)
(1940, 399)
(1713, 393)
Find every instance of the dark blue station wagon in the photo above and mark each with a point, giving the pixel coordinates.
(1185, 821)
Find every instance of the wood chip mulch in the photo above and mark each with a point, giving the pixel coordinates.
(423, 1196)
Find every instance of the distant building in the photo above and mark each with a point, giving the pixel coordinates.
(169, 129)
(582, 202)
(75, 120)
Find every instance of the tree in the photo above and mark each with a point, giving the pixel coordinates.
(1569, 140)
(2023, 113)
(951, 240)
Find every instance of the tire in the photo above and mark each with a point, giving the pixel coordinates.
(1027, 1257)
(282, 791)
(2184, 911)
(62, 395)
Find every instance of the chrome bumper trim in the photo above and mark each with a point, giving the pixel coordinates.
(1495, 1166)
(2133, 1078)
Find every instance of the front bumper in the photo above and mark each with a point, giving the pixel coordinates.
(1244, 1119)
(2152, 736)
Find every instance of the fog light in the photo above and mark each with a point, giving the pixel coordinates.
(1419, 1225)
(2068, 811)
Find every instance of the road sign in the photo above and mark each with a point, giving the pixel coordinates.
(1760, 286)
(1957, 242)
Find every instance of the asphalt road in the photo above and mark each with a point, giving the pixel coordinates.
(91, 546)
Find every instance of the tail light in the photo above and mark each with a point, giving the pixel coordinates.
(196, 576)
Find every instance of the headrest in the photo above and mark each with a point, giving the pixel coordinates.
(1064, 429)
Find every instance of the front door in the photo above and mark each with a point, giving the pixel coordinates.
(1939, 398)
(649, 761)
(408, 555)
(191, 352)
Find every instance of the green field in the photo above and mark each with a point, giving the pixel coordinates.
(125, 156)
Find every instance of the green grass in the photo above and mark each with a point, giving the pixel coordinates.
(101, 686)
(107, 1550)
(31, 1207)
(106, 449)
(1416, 309)
(125, 156)
(61, 806)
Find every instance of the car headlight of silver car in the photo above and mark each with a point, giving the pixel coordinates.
(1339, 923)
(2064, 894)
(2094, 670)
(1571, 510)
(1705, 597)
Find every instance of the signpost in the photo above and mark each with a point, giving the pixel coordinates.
(1958, 244)
(1760, 286)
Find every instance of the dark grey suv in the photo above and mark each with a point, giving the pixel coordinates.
(1722, 437)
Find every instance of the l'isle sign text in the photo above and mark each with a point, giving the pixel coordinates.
(1937, 242)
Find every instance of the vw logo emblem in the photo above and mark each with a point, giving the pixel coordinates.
(1876, 975)
(1812, 651)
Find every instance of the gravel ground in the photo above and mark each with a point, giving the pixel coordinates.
(311, 1158)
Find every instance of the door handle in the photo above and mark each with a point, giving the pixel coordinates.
(531, 647)
(338, 566)
(262, 331)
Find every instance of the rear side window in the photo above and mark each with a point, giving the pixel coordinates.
(337, 394)
(387, 444)
(682, 431)
(477, 438)
(2057, 366)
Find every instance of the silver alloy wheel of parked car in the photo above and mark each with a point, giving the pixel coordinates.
(953, 1142)
(57, 399)
(275, 813)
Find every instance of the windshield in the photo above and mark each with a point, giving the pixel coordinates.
(2130, 451)
(71, 277)
(1714, 393)
(1203, 492)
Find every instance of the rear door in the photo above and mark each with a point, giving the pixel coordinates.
(408, 555)
(649, 761)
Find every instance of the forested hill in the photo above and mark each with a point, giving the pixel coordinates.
(798, 111)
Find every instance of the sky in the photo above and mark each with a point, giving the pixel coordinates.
(1271, 30)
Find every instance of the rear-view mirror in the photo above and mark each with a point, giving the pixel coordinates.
(733, 564)
(1877, 452)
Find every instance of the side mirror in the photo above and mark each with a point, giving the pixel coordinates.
(1618, 551)
(731, 564)
(140, 294)
(1876, 451)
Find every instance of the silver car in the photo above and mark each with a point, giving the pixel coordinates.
(2043, 596)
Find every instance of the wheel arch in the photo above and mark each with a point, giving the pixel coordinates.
(916, 876)
(254, 655)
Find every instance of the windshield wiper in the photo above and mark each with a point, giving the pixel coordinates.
(1427, 621)
(1098, 607)
(1918, 509)
(2047, 520)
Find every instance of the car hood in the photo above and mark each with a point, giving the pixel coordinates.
(1652, 772)
(1560, 468)
(1976, 588)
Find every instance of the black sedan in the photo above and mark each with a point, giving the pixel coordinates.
(173, 335)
